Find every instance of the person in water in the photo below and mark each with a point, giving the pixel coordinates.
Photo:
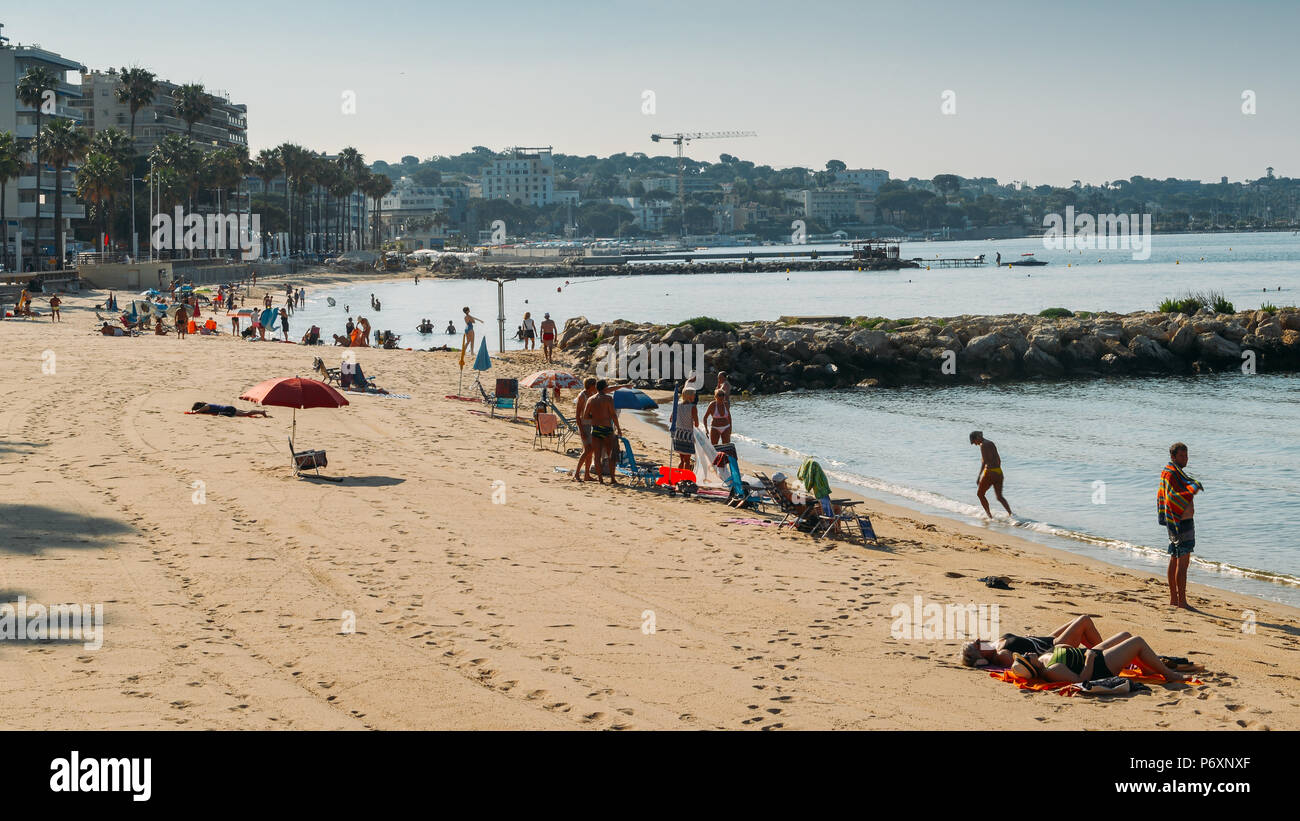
(1076, 664)
(451, 328)
(467, 342)
(1174, 509)
(990, 472)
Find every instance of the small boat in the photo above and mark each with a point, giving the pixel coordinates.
(1026, 260)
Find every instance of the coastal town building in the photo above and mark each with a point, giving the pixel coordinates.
(425, 212)
(866, 179)
(22, 197)
(830, 205)
(524, 176)
(225, 126)
(648, 215)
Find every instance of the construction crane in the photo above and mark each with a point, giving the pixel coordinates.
(680, 141)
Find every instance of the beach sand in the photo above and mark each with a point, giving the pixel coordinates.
(227, 583)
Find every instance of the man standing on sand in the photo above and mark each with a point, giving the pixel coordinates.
(990, 472)
(1174, 510)
(584, 430)
(603, 417)
(548, 336)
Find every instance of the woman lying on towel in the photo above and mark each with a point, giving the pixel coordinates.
(1080, 632)
(1075, 664)
(223, 410)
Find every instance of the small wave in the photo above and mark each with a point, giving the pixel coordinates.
(947, 505)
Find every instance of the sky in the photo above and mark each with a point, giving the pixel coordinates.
(1029, 91)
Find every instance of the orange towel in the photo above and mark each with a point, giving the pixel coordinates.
(1065, 689)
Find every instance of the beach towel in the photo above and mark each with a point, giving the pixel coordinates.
(1173, 497)
(1068, 689)
(814, 479)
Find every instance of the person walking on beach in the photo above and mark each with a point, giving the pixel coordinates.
(284, 324)
(467, 341)
(684, 424)
(990, 472)
(1174, 509)
(530, 332)
(548, 336)
(55, 302)
(584, 429)
(603, 417)
(182, 322)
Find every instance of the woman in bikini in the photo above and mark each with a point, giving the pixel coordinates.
(468, 341)
(717, 418)
(1076, 664)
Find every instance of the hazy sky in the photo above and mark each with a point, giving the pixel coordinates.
(1044, 92)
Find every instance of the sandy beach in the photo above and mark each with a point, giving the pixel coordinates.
(488, 590)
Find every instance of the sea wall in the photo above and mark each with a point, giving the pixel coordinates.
(769, 357)
(450, 266)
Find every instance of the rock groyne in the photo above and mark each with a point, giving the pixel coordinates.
(770, 357)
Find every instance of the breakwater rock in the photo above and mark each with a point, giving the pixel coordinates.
(769, 357)
(452, 267)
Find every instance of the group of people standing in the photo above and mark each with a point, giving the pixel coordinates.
(717, 420)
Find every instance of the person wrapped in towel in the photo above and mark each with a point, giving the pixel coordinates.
(1174, 510)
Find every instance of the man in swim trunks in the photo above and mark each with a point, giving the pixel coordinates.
(1174, 508)
(603, 417)
(584, 430)
(990, 472)
(548, 336)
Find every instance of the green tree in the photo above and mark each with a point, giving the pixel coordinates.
(65, 144)
(11, 167)
(98, 182)
(192, 104)
(136, 88)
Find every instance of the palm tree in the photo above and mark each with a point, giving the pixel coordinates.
(181, 159)
(65, 144)
(11, 167)
(31, 92)
(293, 162)
(354, 171)
(376, 187)
(136, 88)
(192, 104)
(98, 182)
(117, 145)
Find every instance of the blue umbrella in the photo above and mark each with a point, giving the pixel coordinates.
(633, 399)
(482, 362)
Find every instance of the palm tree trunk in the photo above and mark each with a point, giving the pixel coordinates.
(58, 215)
(4, 221)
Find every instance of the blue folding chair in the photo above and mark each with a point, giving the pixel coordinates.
(643, 472)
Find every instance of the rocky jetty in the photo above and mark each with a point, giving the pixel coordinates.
(769, 357)
(451, 266)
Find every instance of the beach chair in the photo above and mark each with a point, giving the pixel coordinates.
(829, 520)
(741, 495)
(646, 473)
(304, 460)
(506, 397)
(330, 375)
(567, 429)
(547, 426)
(788, 510)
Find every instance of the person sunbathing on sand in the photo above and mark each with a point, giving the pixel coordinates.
(223, 410)
(1081, 632)
(1074, 664)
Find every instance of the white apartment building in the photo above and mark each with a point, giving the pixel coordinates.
(226, 125)
(866, 179)
(647, 215)
(524, 176)
(830, 205)
(22, 199)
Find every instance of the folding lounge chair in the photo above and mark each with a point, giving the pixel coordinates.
(830, 520)
(505, 397)
(741, 495)
(567, 429)
(304, 460)
(645, 472)
(788, 510)
(547, 426)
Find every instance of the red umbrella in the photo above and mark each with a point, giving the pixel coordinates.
(294, 392)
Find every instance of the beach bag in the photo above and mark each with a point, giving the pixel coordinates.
(1113, 686)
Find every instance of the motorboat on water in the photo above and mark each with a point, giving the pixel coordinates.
(1026, 261)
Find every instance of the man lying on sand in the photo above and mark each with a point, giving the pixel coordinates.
(223, 410)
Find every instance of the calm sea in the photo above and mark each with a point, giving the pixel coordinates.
(1082, 458)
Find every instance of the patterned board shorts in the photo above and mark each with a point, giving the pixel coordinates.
(1186, 539)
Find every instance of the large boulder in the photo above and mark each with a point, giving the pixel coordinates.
(1183, 339)
(1151, 353)
(874, 344)
(1214, 347)
(1082, 352)
(1270, 328)
(1046, 340)
(681, 333)
(1038, 362)
(979, 348)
